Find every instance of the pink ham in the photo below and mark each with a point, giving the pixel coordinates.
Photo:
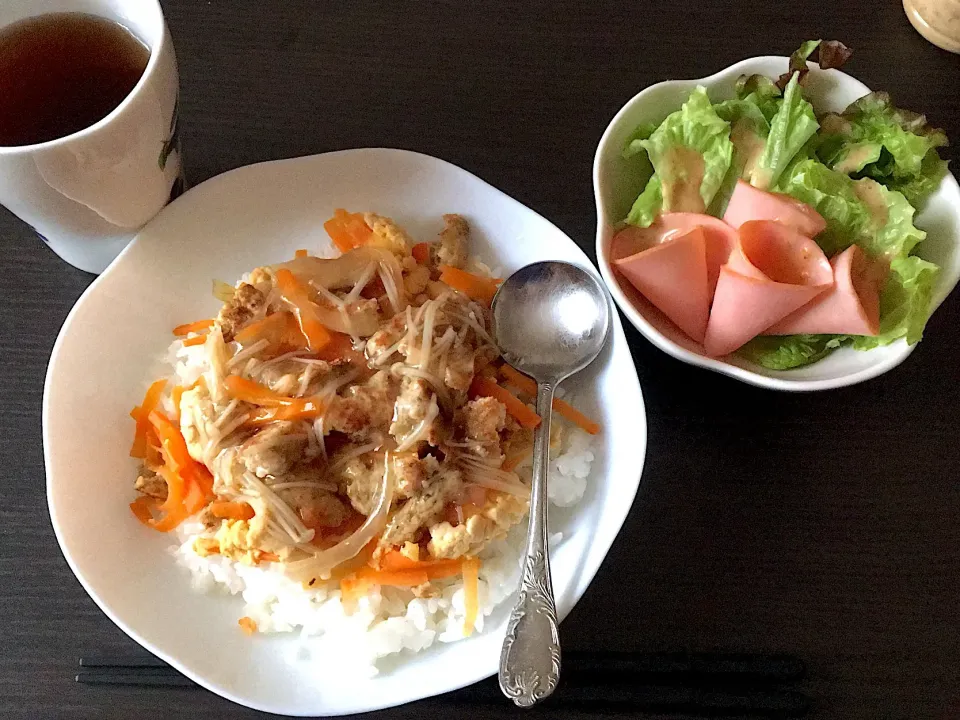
(673, 276)
(748, 203)
(850, 307)
(773, 271)
(720, 239)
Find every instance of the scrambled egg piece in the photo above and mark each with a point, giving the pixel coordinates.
(469, 537)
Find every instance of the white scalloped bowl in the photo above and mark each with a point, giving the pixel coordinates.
(107, 352)
(615, 188)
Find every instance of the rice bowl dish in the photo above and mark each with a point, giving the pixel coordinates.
(351, 456)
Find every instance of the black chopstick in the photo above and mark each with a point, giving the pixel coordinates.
(700, 684)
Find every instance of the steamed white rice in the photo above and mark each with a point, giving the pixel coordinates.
(386, 621)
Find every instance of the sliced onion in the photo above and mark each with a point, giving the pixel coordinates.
(335, 273)
(223, 291)
(323, 562)
(351, 321)
(491, 483)
(493, 478)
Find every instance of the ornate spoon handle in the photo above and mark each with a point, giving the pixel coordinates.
(530, 659)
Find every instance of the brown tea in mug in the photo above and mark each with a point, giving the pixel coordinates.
(63, 72)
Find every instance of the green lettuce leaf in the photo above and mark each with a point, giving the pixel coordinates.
(904, 302)
(785, 352)
(634, 146)
(749, 129)
(790, 129)
(918, 188)
(647, 205)
(857, 211)
(873, 138)
(691, 154)
(762, 92)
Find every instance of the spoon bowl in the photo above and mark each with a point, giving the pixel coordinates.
(550, 320)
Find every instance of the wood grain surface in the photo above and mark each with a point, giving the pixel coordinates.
(825, 525)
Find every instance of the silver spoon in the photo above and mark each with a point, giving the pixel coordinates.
(550, 320)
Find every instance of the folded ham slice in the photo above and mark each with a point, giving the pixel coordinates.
(850, 307)
(748, 203)
(720, 239)
(673, 276)
(773, 271)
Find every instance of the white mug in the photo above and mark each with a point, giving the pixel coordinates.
(88, 193)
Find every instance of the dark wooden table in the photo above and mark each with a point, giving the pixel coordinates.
(825, 525)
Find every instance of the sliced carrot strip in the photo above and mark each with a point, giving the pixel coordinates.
(141, 414)
(232, 510)
(481, 289)
(305, 310)
(248, 625)
(154, 458)
(485, 387)
(253, 392)
(195, 340)
(141, 508)
(471, 600)
(421, 253)
(395, 561)
(353, 588)
(265, 556)
(347, 230)
(301, 254)
(529, 386)
(198, 326)
(280, 329)
(394, 578)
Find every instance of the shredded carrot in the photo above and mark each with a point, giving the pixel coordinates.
(529, 386)
(154, 458)
(195, 340)
(189, 484)
(253, 392)
(473, 286)
(347, 230)
(141, 414)
(196, 499)
(248, 625)
(274, 406)
(280, 329)
(173, 506)
(485, 387)
(198, 326)
(301, 409)
(176, 394)
(265, 556)
(394, 578)
(232, 510)
(353, 588)
(301, 254)
(421, 253)
(305, 309)
(395, 561)
(141, 508)
(471, 602)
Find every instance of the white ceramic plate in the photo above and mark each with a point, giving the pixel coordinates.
(107, 351)
(615, 189)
